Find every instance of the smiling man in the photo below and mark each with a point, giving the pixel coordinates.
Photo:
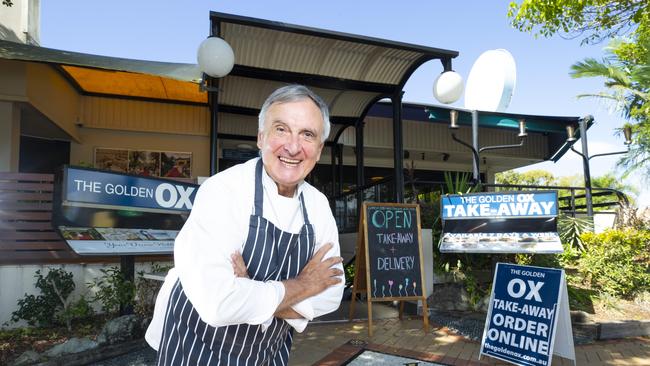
(290, 142)
(259, 255)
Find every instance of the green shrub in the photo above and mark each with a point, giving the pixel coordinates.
(571, 230)
(36, 310)
(538, 260)
(53, 305)
(147, 290)
(475, 290)
(76, 310)
(581, 298)
(113, 290)
(617, 262)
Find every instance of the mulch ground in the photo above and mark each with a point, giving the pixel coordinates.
(14, 342)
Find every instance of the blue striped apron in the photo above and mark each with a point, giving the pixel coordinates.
(269, 254)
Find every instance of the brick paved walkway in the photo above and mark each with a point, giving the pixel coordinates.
(327, 344)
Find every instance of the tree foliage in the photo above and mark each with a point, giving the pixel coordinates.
(545, 178)
(595, 20)
(627, 90)
(533, 177)
(625, 67)
(609, 180)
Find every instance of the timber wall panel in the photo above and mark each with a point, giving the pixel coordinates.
(26, 233)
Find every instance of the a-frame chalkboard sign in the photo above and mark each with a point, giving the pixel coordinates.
(389, 263)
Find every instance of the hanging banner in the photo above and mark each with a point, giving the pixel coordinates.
(528, 318)
(500, 222)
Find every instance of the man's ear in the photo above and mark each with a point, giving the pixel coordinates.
(260, 139)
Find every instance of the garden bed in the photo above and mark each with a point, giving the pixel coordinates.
(13, 342)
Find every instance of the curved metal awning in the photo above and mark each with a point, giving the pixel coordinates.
(350, 72)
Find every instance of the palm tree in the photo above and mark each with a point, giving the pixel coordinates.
(628, 91)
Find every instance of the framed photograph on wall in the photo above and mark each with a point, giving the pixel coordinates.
(176, 164)
(145, 163)
(172, 164)
(115, 160)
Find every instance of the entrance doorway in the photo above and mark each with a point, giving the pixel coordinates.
(39, 155)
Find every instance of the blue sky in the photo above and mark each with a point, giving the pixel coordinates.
(171, 31)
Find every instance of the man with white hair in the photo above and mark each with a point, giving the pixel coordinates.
(259, 255)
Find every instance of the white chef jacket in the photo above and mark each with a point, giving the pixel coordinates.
(217, 227)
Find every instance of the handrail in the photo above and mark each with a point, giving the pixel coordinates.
(601, 191)
(345, 204)
(620, 195)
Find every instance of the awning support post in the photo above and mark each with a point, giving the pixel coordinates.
(398, 146)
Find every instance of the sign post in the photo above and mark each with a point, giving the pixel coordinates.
(528, 319)
(389, 262)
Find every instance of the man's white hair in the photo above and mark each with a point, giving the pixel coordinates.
(293, 93)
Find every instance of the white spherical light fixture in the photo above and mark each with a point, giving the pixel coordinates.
(215, 57)
(448, 87)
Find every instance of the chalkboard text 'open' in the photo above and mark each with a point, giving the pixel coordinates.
(396, 218)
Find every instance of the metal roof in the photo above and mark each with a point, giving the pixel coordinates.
(350, 72)
(113, 76)
(18, 51)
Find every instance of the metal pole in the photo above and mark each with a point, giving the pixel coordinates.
(339, 168)
(213, 106)
(359, 152)
(127, 266)
(333, 168)
(476, 173)
(585, 165)
(398, 146)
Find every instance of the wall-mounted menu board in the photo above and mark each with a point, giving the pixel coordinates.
(389, 259)
(106, 213)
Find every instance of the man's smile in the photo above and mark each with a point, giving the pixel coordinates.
(289, 162)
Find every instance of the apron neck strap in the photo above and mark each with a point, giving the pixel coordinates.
(305, 218)
(259, 194)
(259, 190)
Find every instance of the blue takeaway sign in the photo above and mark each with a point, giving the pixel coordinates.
(90, 187)
(500, 205)
(523, 312)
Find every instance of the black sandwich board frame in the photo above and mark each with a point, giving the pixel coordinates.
(362, 278)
